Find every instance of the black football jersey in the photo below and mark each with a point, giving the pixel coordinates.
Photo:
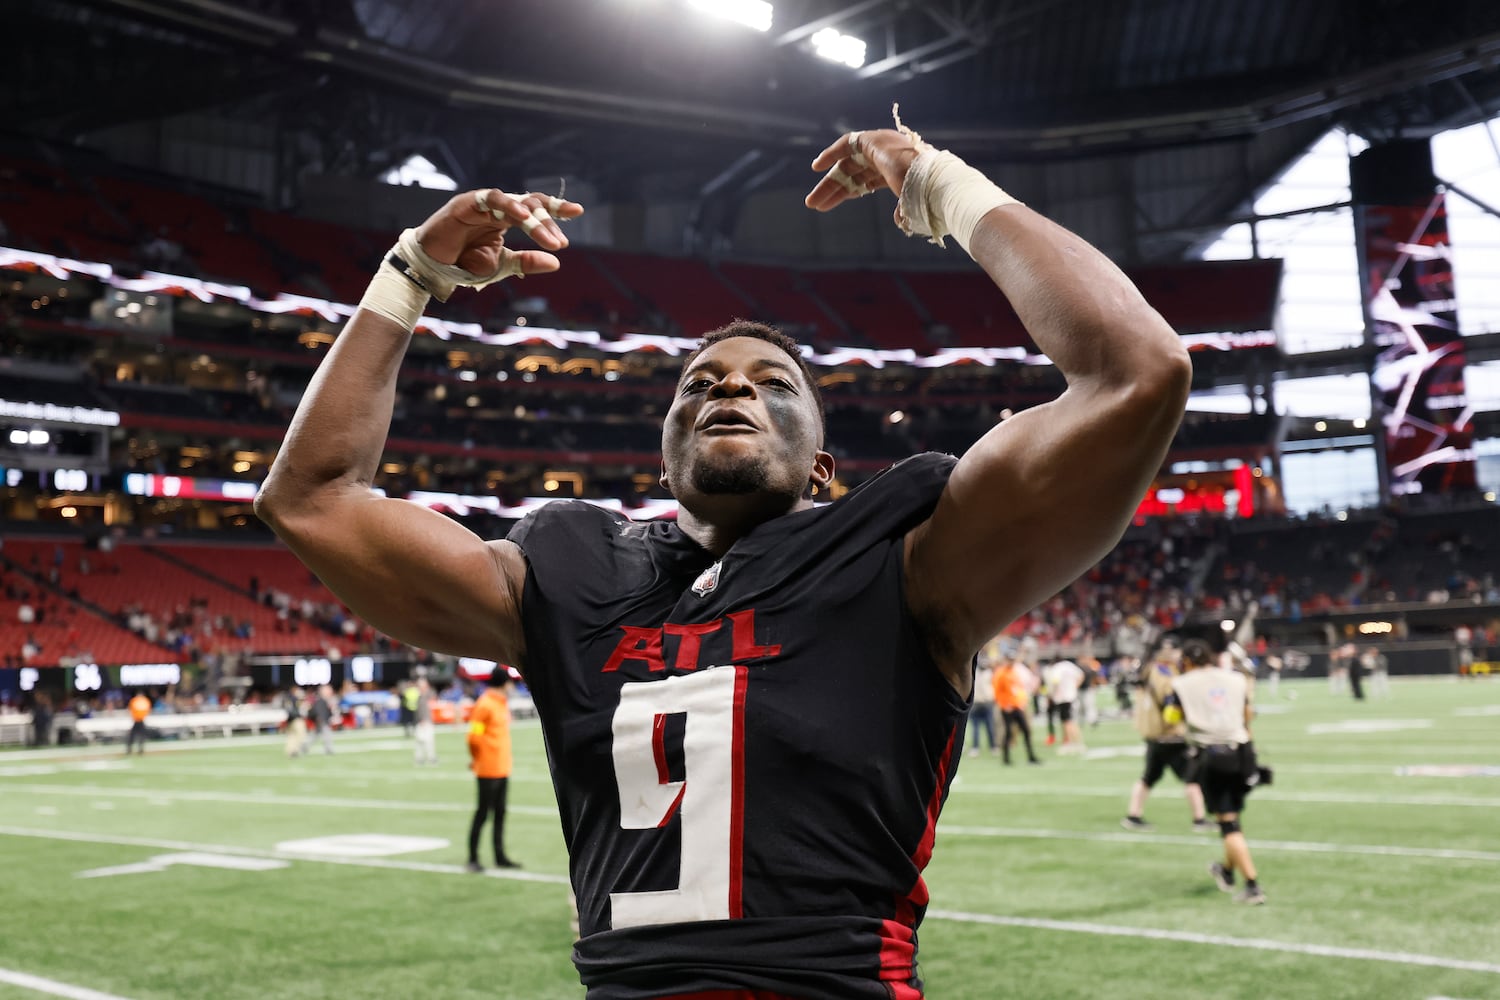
(749, 753)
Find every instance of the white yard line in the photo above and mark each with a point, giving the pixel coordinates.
(946, 829)
(1190, 937)
(340, 738)
(1067, 926)
(300, 770)
(27, 981)
(1302, 846)
(266, 799)
(963, 788)
(251, 852)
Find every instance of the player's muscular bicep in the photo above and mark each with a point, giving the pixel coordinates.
(416, 575)
(1030, 507)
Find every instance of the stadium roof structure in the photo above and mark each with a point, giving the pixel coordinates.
(656, 98)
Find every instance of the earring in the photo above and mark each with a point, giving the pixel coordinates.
(815, 489)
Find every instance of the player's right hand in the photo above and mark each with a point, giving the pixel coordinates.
(887, 156)
(469, 230)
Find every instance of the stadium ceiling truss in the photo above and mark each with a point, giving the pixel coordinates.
(649, 105)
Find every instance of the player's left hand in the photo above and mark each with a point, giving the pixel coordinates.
(861, 162)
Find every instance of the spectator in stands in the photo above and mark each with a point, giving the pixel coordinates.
(140, 710)
(1214, 702)
(490, 760)
(858, 621)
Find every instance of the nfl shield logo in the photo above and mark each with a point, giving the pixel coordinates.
(707, 580)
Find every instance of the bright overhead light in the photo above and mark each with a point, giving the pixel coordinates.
(835, 46)
(751, 13)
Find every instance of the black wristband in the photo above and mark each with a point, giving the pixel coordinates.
(407, 271)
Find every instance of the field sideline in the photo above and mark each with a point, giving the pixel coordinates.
(179, 874)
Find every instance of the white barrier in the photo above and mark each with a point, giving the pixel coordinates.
(15, 730)
(197, 723)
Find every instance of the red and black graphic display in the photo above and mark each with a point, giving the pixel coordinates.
(1412, 319)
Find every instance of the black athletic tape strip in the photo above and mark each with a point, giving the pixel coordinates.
(405, 270)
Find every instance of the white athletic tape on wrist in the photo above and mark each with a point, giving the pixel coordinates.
(427, 278)
(392, 293)
(851, 185)
(944, 196)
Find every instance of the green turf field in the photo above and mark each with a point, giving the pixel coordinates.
(1381, 885)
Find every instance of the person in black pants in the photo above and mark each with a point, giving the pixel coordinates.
(41, 721)
(490, 760)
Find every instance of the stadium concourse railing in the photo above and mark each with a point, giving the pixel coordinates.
(247, 718)
(1411, 657)
(233, 720)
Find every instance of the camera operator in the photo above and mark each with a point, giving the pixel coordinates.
(1214, 702)
(1166, 743)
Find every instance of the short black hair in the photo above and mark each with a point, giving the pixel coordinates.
(1198, 653)
(773, 336)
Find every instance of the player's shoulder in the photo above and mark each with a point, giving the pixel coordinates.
(921, 476)
(883, 508)
(574, 516)
(575, 528)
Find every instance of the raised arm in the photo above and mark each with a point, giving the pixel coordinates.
(409, 571)
(1044, 495)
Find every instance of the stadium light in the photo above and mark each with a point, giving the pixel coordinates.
(835, 46)
(751, 13)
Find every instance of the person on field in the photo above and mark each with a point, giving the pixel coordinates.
(753, 714)
(1166, 742)
(490, 760)
(296, 722)
(140, 711)
(1214, 703)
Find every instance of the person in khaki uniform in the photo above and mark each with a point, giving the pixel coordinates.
(489, 759)
(1166, 743)
(1214, 702)
(296, 722)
